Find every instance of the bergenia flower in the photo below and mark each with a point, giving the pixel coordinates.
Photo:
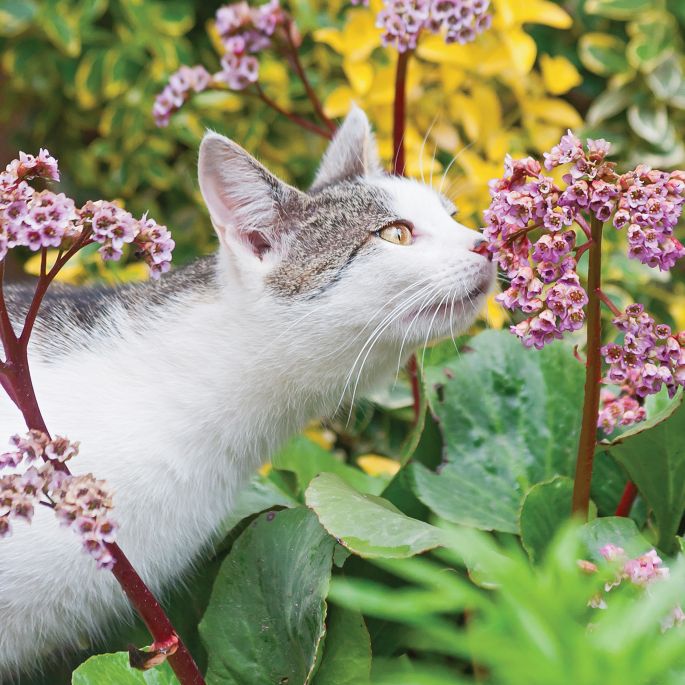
(459, 21)
(544, 282)
(45, 219)
(80, 502)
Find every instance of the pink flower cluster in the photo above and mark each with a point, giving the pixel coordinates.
(641, 570)
(460, 21)
(244, 31)
(544, 281)
(649, 358)
(178, 89)
(44, 219)
(80, 502)
(619, 410)
(650, 206)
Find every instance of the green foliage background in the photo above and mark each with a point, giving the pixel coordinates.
(339, 567)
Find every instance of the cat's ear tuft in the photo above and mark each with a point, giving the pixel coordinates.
(351, 154)
(248, 205)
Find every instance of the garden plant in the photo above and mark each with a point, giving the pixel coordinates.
(509, 511)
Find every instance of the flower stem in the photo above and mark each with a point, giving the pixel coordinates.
(399, 124)
(605, 298)
(15, 377)
(296, 119)
(399, 113)
(593, 375)
(627, 499)
(311, 93)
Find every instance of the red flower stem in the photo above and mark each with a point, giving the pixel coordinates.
(593, 375)
(627, 499)
(582, 222)
(605, 298)
(581, 249)
(399, 113)
(304, 123)
(297, 63)
(15, 377)
(399, 124)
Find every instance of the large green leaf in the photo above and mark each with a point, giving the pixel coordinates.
(15, 16)
(306, 460)
(347, 652)
(603, 54)
(510, 418)
(113, 669)
(615, 530)
(618, 9)
(367, 525)
(265, 619)
(653, 39)
(545, 507)
(653, 454)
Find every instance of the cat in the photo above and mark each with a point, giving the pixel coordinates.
(179, 390)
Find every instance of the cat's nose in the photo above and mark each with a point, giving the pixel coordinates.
(480, 246)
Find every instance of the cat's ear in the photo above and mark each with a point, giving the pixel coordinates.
(248, 205)
(352, 152)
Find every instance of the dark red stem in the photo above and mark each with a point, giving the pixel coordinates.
(605, 298)
(627, 499)
(300, 121)
(399, 113)
(593, 375)
(299, 69)
(15, 377)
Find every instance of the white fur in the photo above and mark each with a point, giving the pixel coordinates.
(176, 414)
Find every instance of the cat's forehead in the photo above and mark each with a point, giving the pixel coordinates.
(335, 223)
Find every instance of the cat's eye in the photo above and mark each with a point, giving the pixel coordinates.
(398, 233)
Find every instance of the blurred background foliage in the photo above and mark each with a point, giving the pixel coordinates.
(80, 77)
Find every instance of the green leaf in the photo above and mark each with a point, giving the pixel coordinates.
(649, 122)
(265, 619)
(608, 104)
(666, 79)
(616, 530)
(367, 525)
(510, 418)
(545, 507)
(113, 669)
(60, 26)
(653, 39)
(346, 658)
(259, 495)
(653, 454)
(89, 77)
(603, 54)
(617, 9)
(306, 460)
(16, 16)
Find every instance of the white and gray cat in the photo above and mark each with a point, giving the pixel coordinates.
(179, 390)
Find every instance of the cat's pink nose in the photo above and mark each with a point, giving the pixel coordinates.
(481, 247)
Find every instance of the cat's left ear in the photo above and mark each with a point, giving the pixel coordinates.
(351, 154)
(249, 206)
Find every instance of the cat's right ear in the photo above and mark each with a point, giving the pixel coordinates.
(351, 154)
(248, 205)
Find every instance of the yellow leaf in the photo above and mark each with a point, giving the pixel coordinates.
(464, 108)
(265, 470)
(331, 37)
(321, 436)
(522, 49)
(72, 272)
(487, 103)
(494, 314)
(359, 74)
(540, 12)
(135, 271)
(553, 111)
(375, 465)
(559, 74)
(338, 102)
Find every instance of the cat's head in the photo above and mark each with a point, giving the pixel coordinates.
(368, 251)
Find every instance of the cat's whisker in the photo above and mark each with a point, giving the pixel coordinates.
(454, 159)
(423, 146)
(387, 320)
